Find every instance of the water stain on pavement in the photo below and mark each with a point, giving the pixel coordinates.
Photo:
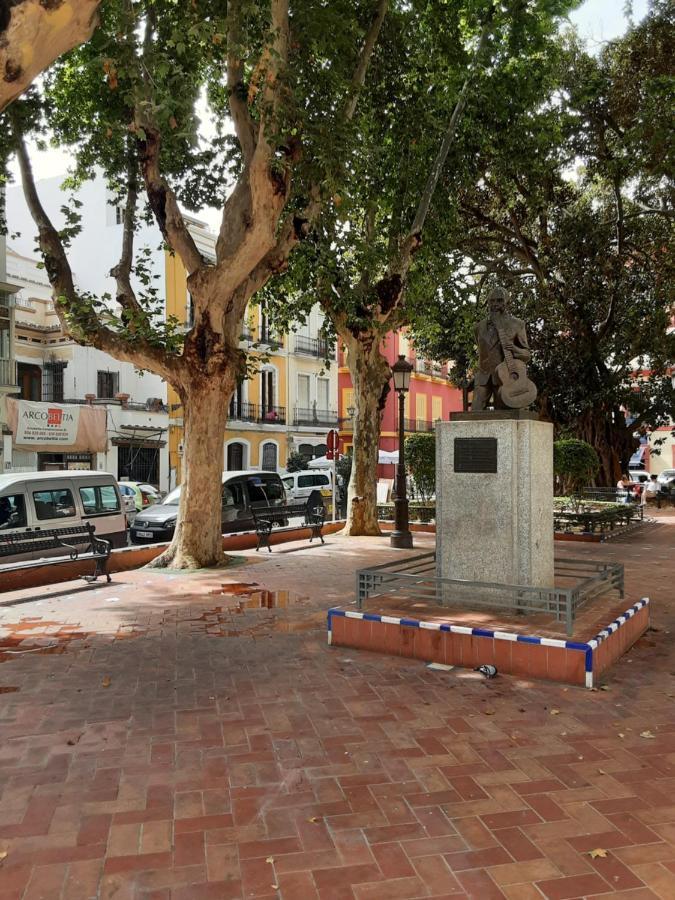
(239, 587)
(257, 616)
(32, 636)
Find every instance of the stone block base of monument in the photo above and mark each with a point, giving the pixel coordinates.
(494, 498)
(579, 661)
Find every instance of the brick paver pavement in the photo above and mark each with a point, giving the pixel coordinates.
(174, 741)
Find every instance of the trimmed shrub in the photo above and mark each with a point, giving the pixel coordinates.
(420, 457)
(575, 464)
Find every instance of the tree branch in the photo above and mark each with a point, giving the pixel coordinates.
(435, 173)
(236, 89)
(77, 316)
(126, 296)
(608, 321)
(359, 76)
(164, 204)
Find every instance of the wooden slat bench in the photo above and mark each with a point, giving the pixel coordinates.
(36, 542)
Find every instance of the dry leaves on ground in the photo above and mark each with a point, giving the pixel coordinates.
(599, 852)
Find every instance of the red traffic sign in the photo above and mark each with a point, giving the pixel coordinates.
(332, 441)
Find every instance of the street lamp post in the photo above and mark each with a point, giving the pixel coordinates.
(401, 536)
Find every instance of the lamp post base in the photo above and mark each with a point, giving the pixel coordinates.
(402, 540)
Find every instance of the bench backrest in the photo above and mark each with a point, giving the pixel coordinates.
(284, 512)
(49, 539)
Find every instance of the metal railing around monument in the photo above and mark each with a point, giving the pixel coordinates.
(415, 579)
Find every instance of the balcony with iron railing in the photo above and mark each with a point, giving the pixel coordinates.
(242, 411)
(257, 414)
(8, 374)
(313, 416)
(319, 347)
(415, 425)
(270, 338)
(272, 415)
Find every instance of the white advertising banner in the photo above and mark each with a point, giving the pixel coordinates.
(54, 427)
(46, 423)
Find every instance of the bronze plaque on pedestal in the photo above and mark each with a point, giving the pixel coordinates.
(476, 455)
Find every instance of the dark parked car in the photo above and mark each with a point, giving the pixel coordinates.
(241, 492)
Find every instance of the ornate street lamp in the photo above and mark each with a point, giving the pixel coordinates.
(401, 536)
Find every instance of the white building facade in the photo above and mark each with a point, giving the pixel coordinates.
(52, 368)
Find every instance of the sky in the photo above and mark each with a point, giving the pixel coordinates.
(601, 20)
(598, 21)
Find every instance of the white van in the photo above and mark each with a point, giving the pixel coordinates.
(299, 485)
(43, 501)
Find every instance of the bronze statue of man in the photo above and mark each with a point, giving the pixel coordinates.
(503, 351)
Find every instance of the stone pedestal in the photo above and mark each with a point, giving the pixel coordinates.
(494, 498)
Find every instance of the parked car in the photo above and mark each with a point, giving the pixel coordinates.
(639, 475)
(143, 494)
(43, 501)
(666, 478)
(241, 491)
(299, 485)
(128, 501)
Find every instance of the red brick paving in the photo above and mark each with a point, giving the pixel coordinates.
(232, 754)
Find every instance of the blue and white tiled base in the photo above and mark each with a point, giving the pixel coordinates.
(573, 662)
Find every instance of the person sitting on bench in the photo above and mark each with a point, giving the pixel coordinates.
(651, 492)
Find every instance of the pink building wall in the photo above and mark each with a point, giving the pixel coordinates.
(431, 397)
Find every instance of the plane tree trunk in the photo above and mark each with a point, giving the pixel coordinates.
(370, 375)
(211, 364)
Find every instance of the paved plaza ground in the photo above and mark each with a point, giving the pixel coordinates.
(187, 737)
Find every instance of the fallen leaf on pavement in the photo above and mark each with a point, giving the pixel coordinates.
(313, 819)
(270, 859)
(3, 854)
(106, 681)
(599, 852)
(647, 734)
(489, 712)
(601, 772)
(555, 712)
(621, 734)
(275, 887)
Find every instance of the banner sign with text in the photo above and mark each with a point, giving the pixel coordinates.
(54, 427)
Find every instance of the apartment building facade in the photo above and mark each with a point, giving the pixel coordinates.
(431, 397)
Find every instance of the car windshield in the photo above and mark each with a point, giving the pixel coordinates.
(173, 498)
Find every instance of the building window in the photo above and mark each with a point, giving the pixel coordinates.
(237, 401)
(5, 326)
(138, 463)
(235, 457)
(30, 381)
(303, 391)
(267, 392)
(269, 457)
(52, 382)
(323, 394)
(107, 385)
